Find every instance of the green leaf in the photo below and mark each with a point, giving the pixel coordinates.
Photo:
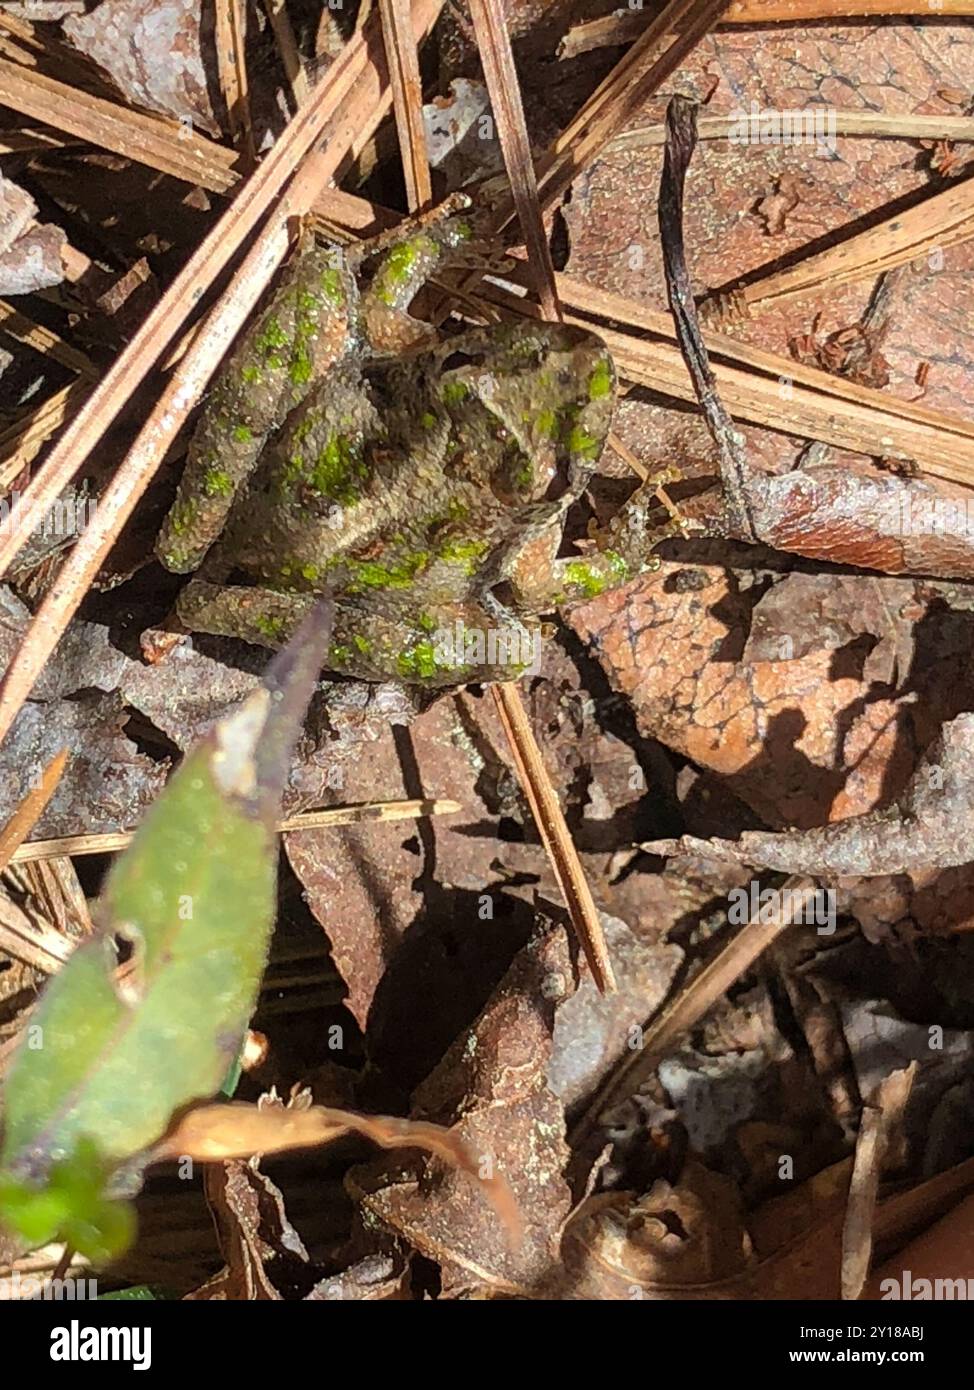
(118, 1055)
(71, 1206)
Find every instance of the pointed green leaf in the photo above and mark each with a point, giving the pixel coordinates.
(109, 1057)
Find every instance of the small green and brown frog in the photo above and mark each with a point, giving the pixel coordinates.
(423, 482)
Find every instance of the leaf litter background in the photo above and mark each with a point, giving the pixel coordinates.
(424, 967)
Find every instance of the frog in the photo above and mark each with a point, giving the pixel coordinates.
(422, 480)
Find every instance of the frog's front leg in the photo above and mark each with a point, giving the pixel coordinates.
(622, 549)
(303, 331)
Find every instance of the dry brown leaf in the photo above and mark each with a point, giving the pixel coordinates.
(258, 1242)
(872, 520)
(492, 1087)
(801, 741)
(930, 826)
(805, 613)
(211, 1133)
(153, 51)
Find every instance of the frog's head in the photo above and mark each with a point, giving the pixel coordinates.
(534, 402)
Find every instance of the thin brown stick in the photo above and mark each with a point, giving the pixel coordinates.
(787, 11)
(151, 140)
(635, 77)
(627, 26)
(29, 812)
(872, 124)
(33, 141)
(23, 440)
(37, 944)
(497, 60)
(112, 842)
(44, 340)
(356, 126)
(838, 415)
(407, 99)
(231, 61)
(502, 84)
(554, 834)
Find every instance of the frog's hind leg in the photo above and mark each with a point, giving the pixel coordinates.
(265, 617)
(446, 644)
(295, 341)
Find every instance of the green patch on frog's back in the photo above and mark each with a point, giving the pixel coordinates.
(464, 552)
(339, 470)
(424, 661)
(600, 383)
(582, 444)
(418, 662)
(183, 515)
(399, 574)
(273, 628)
(296, 574)
(454, 392)
(301, 368)
(546, 424)
(271, 336)
(593, 577)
(330, 281)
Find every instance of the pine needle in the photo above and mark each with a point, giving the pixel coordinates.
(112, 842)
(407, 98)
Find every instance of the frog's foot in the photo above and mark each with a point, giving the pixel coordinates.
(445, 645)
(624, 547)
(621, 550)
(361, 251)
(262, 616)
